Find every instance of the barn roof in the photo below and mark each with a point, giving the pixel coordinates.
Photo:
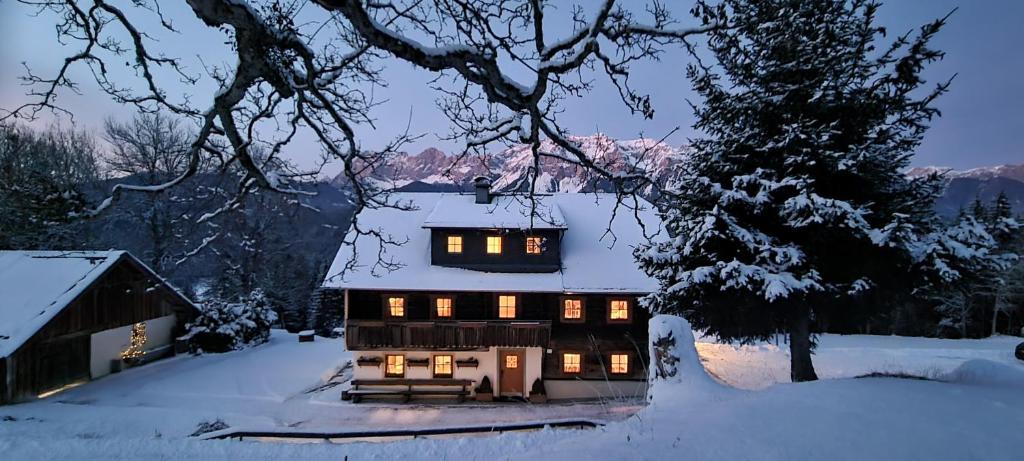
(593, 260)
(37, 285)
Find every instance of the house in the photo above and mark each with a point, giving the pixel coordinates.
(69, 316)
(478, 286)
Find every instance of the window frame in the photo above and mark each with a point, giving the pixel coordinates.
(561, 362)
(405, 365)
(487, 245)
(433, 306)
(385, 301)
(451, 366)
(629, 310)
(539, 245)
(448, 244)
(561, 309)
(629, 363)
(497, 305)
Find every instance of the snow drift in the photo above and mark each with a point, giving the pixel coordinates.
(986, 372)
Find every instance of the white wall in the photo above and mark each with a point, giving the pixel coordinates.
(590, 389)
(107, 345)
(488, 366)
(556, 389)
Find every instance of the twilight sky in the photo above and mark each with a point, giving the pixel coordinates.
(981, 123)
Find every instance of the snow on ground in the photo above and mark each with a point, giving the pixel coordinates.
(975, 412)
(847, 356)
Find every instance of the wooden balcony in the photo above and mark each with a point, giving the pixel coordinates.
(449, 335)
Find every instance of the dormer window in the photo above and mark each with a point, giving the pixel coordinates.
(494, 245)
(533, 245)
(454, 244)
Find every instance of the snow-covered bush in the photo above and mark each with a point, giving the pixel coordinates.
(675, 365)
(223, 326)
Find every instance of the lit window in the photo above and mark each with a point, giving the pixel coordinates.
(506, 307)
(455, 244)
(442, 366)
(511, 361)
(443, 306)
(572, 309)
(571, 363)
(494, 245)
(396, 306)
(395, 366)
(619, 310)
(533, 245)
(620, 364)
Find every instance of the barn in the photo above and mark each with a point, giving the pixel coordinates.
(70, 316)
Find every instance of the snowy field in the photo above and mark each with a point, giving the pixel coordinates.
(149, 412)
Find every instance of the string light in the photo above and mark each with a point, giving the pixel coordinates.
(138, 340)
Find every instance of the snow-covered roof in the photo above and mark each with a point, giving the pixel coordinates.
(36, 285)
(504, 212)
(592, 260)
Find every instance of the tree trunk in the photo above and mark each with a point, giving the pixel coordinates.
(801, 368)
(995, 313)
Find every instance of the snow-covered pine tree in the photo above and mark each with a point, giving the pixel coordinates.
(966, 267)
(795, 200)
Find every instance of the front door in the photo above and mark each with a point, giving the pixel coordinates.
(511, 366)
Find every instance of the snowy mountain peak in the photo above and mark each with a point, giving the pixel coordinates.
(1015, 172)
(509, 166)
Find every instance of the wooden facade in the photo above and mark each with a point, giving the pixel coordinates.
(58, 354)
(513, 257)
(475, 324)
(440, 335)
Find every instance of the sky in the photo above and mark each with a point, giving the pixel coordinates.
(980, 125)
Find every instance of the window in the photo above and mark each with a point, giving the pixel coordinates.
(455, 244)
(618, 310)
(533, 245)
(494, 245)
(443, 307)
(511, 361)
(443, 366)
(572, 309)
(506, 307)
(396, 306)
(571, 362)
(620, 364)
(395, 366)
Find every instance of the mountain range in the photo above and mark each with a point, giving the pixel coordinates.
(433, 170)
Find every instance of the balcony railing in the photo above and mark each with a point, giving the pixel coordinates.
(451, 335)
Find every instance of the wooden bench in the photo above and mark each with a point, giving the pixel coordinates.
(406, 388)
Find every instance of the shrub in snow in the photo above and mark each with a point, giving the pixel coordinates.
(206, 427)
(675, 365)
(222, 326)
(484, 392)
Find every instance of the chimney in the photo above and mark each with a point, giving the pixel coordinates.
(482, 184)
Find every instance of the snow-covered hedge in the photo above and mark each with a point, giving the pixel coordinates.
(223, 326)
(675, 365)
